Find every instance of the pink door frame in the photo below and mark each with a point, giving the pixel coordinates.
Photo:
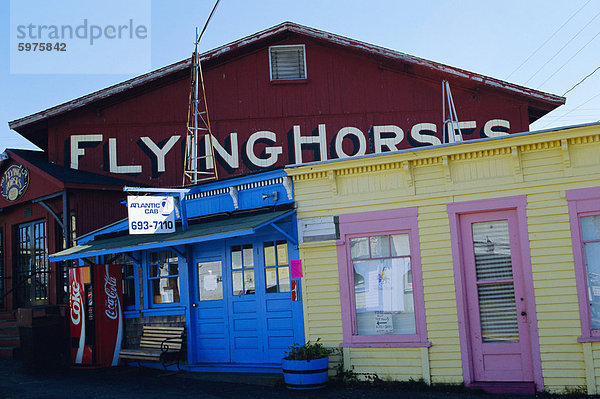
(455, 210)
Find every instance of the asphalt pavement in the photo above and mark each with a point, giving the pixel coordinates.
(18, 382)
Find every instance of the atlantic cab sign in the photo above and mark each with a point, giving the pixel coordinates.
(14, 183)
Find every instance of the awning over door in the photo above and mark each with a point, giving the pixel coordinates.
(233, 226)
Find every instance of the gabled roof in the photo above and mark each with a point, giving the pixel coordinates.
(67, 176)
(545, 101)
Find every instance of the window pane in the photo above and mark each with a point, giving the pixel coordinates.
(491, 246)
(249, 281)
(592, 263)
(380, 247)
(498, 313)
(269, 254)
(282, 254)
(359, 248)
(236, 257)
(238, 283)
(384, 301)
(590, 227)
(284, 279)
(271, 279)
(400, 245)
(166, 290)
(154, 270)
(248, 256)
(210, 281)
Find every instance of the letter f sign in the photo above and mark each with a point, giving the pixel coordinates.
(76, 151)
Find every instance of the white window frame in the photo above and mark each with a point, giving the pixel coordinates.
(271, 63)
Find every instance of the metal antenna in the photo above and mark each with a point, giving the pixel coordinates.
(450, 128)
(198, 122)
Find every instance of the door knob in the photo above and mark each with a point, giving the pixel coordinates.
(194, 305)
(523, 313)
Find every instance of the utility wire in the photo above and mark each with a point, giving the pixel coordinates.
(563, 47)
(547, 40)
(576, 108)
(581, 81)
(569, 60)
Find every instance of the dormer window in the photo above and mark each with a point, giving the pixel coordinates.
(287, 62)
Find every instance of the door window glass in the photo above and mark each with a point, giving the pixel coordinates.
(277, 269)
(242, 265)
(210, 281)
(495, 287)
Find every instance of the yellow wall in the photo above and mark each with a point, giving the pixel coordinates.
(541, 166)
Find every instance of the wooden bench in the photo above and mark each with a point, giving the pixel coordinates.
(158, 344)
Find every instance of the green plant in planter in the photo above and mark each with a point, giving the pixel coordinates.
(308, 351)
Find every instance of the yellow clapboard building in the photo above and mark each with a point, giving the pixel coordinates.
(474, 262)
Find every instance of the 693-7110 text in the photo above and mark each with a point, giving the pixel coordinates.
(152, 225)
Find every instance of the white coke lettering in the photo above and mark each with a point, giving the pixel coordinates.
(76, 304)
(110, 288)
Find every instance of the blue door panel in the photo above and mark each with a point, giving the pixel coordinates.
(282, 342)
(275, 324)
(208, 344)
(246, 342)
(279, 304)
(240, 307)
(206, 328)
(241, 325)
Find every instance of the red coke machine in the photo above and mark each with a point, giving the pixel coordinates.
(95, 298)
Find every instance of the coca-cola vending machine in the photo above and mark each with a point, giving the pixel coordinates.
(95, 298)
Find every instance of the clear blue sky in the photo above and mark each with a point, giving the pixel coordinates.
(488, 37)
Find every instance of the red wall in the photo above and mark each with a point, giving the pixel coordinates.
(343, 89)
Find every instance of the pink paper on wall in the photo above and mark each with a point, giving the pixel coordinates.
(296, 268)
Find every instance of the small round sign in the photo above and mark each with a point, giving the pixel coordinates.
(14, 182)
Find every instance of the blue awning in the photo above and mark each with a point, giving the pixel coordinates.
(233, 226)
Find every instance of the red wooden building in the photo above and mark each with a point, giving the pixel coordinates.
(287, 95)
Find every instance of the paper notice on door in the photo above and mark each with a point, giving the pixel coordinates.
(596, 290)
(210, 282)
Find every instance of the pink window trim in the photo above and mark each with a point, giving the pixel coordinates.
(455, 210)
(395, 221)
(582, 202)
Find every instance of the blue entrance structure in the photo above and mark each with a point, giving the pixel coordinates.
(226, 278)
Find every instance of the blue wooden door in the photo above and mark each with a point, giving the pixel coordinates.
(264, 320)
(246, 334)
(209, 305)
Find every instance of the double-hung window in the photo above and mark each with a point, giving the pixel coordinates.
(584, 215)
(380, 279)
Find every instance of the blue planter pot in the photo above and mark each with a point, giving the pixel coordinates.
(305, 374)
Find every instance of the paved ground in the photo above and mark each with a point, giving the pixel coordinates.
(132, 382)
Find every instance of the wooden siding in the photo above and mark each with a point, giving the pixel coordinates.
(540, 166)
